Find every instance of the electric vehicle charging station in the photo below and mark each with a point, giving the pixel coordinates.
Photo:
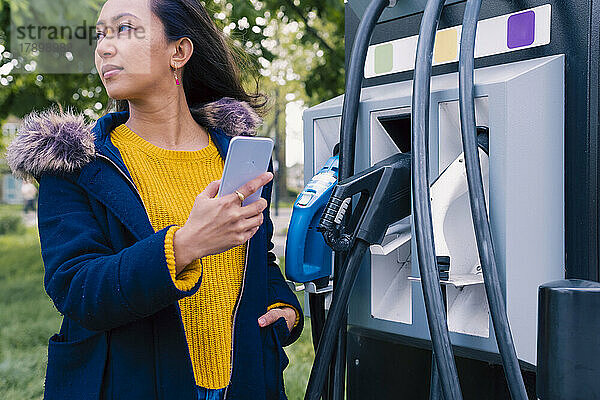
(536, 92)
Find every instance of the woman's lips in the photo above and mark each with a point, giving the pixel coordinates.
(112, 73)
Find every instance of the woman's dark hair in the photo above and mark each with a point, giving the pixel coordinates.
(212, 71)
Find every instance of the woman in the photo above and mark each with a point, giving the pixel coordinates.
(166, 291)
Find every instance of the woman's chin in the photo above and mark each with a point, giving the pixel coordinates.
(116, 94)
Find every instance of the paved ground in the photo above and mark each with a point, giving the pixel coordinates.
(280, 226)
(29, 218)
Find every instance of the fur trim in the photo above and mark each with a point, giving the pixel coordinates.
(56, 141)
(234, 117)
(50, 140)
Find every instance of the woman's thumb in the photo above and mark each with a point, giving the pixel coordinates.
(211, 189)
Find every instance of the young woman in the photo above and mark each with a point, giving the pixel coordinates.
(167, 292)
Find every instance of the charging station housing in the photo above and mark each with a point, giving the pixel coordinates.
(536, 88)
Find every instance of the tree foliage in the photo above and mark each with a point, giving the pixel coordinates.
(313, 48)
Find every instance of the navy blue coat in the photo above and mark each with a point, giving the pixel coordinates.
(122, 336)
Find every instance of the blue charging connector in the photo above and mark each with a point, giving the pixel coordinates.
(307, 256)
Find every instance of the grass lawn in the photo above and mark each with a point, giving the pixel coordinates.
(28, 319)
(301, 355)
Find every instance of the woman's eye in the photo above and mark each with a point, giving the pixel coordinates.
(99, 35)
(125, 26)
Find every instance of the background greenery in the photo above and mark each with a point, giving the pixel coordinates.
(296, 47)
(28, 318)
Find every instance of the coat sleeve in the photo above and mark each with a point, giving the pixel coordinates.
(86, 279)
(279, 291)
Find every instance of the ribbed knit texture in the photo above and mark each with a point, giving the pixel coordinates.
(169, 181)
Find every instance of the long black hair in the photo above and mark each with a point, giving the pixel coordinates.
(213, 70)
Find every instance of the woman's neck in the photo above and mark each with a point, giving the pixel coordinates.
(166, 123)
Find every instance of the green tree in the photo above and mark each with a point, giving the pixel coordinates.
(320, 27)
(22, 91)
(296, 47)
(300, 48)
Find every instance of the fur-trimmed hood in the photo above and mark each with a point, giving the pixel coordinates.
(55, 141)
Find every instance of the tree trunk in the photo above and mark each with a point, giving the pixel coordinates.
(281, 183)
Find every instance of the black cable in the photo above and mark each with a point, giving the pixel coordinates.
(478, 208)
(354, 79)
(337, 310)
(316, 303)
(432, 293)
(339, 366)
(337, 379)
(435, 389)
(335, 390)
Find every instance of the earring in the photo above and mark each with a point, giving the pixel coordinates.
(176, 78)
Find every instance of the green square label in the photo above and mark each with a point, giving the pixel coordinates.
(384, 58)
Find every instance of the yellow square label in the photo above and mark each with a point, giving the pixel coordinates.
(446, 46)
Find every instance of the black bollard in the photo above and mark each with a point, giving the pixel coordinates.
(568, 352)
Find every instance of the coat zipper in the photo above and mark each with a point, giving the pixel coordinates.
(237, 303)
(128, 180)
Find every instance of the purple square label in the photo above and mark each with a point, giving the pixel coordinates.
(521, 29)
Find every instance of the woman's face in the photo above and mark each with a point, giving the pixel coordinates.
(131, 38)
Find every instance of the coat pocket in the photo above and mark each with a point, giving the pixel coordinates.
(282, 332)
(75, 368)
(275, 360)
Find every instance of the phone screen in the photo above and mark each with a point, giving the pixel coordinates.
(247, 158)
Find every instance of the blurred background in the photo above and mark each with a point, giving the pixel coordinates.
(295, 47)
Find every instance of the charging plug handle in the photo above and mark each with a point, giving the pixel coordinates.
(384, 191)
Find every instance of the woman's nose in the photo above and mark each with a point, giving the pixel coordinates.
(105, 47)
(105, 50)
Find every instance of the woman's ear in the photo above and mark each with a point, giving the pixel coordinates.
(182, 52)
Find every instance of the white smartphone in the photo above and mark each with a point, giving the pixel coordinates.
(247, 158)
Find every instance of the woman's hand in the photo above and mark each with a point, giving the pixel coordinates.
(275, 313)
(219, 224)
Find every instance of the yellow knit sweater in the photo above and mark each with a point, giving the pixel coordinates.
(168, 182)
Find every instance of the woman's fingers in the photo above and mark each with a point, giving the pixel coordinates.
(210, 190)
(255, 208)
(274, 314)
(255, 184)
(271, 316)
(221, 224)
(252, 222)
(247, 235)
